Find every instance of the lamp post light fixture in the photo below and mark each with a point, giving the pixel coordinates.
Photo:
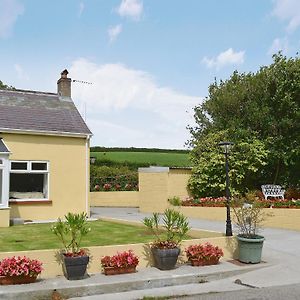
(226, 147)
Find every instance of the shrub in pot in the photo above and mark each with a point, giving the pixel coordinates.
(19, 270)
(168, 235)
(122, 262)
(70, 232)
(248, 219)
(203, 254)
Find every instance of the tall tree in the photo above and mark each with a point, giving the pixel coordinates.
(262, 106)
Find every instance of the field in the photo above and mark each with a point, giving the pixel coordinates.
(39, 236)
(144, 158)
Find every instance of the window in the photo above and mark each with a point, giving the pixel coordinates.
(29, 180)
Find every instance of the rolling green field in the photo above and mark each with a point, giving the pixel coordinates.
(151, 158)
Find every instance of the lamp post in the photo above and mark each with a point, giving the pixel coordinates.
(226, 146)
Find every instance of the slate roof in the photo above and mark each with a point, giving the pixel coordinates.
(3, 148)
(39, 112)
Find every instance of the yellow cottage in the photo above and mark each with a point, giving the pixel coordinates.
(44, 155)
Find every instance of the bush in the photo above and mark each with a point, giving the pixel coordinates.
(175, 201)
(113, 179)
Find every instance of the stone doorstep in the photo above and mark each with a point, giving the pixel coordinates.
(147, 278)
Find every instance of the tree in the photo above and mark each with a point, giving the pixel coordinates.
(5, 87)
(263, 108)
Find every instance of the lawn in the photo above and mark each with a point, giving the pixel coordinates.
(151, 158)
(39, 236)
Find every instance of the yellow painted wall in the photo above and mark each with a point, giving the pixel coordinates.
(156, 187)
(115, 199)
(67, 171)
(4, 217)
(52, 267)
(282, 218)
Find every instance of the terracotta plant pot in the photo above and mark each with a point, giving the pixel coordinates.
(122, 270)
(24, 279)
(204, 262)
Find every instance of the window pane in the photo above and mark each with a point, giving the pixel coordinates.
(28, 186)
(19, 166)
(39, 166)
(1, 162)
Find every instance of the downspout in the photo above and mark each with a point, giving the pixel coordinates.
(87, 160)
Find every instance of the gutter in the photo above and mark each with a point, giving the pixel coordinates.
(50, 133)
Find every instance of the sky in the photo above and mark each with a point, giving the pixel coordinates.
(149, 62)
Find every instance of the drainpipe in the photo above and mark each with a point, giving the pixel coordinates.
(87, 159)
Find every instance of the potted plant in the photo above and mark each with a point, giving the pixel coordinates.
(122, 262)
(248, 218)
(203, 254)
(70, 232)
(165, 248)
(19, 270)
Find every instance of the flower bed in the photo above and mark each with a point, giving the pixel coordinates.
(115, 183)
(203, 254)
(18, 270)
(122, 262)
(221, 202)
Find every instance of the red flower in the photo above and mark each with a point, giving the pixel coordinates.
(121, 259)
(203, 251)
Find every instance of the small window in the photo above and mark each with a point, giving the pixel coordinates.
(39, 166)
(21, 166)
(1, 162)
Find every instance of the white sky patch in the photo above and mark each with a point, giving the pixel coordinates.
(132, 9)
(81, 9)
(113, 32)
(289, 11)
(228, 57)
(20, 72)
(133, 110)
(279, 45)
(10, 10)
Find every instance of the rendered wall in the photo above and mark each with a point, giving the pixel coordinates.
(156, 185)
(4, 217)
(67, 170)
(282, 217)
(115, 199)
(52, 265)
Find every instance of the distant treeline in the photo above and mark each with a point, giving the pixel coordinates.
(133, 149)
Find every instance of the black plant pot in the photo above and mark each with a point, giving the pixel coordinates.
(75, 267)
(165, 259)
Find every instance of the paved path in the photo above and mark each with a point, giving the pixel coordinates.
(281, 251)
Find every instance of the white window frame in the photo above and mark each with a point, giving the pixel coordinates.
(4, 166)
(30, 171)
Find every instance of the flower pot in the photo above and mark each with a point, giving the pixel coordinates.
(75, 267)
(250, 249)
(165, 259)
(23, 279)
(120, 270)
(204, 262)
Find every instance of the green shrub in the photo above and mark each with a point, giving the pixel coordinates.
(175, 201)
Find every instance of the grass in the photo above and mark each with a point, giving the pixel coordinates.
(39, 236)
(151, 158)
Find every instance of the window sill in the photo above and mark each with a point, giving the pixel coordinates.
(29, 201)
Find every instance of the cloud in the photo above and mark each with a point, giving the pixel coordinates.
(126, 107)
(81, 9)
(288, 10)
(132, 9)
(20, 72)
(10, 10)
(279, 45)
(228, 57)
(114, 31)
